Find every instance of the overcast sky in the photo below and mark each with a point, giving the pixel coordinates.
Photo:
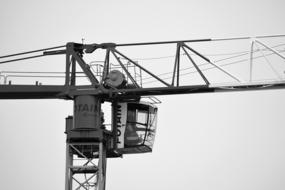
(223, 141)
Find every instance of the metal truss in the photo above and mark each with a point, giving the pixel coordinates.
(86, 157)
(74, 57)
(83, 171)
(257, 43)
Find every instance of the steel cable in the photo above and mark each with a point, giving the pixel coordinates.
(33, 51)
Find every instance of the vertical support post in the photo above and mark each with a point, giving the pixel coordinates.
(73, 72)
(69, 46)
(178, 64)
(176, 70)
(251, 61)
(101, 176)
(69, 163)
(5, 79)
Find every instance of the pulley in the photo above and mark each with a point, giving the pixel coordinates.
(115, 79)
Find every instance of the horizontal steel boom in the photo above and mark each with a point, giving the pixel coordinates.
(61, 92)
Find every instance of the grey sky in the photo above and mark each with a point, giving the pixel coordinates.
(204, 141)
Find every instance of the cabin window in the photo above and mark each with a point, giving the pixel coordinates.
(140, 128)
(137, 124)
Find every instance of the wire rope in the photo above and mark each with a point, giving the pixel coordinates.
(208, 55)
(20, 59)
(199, 40)
(192, 72)
(237, 54)
(224, 59)
(33, 51)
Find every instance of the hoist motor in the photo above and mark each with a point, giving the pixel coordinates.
(115, 79)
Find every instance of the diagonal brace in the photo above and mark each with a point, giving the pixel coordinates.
(125, 69)
(196, 66)
(89, 159)
(82, 184)
(142, 68)
(271, 49)
(85, 68)
(208, 60)
(106, 65)
(268, 62)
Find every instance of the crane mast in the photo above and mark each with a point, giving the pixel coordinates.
(88, 142)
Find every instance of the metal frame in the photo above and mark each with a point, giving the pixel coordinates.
(75, 174)
(96, 166)
(74, 55)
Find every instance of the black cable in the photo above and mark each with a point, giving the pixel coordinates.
(35, 72)
(34, 51)
(31, 72)
(35, 76)
(39, 76)
(20, 59)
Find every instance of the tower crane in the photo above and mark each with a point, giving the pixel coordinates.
(89, 142)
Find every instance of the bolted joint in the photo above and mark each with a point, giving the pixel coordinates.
(71, 46)
(180, 43)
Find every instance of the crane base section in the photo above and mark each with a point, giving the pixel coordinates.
(85, 172)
